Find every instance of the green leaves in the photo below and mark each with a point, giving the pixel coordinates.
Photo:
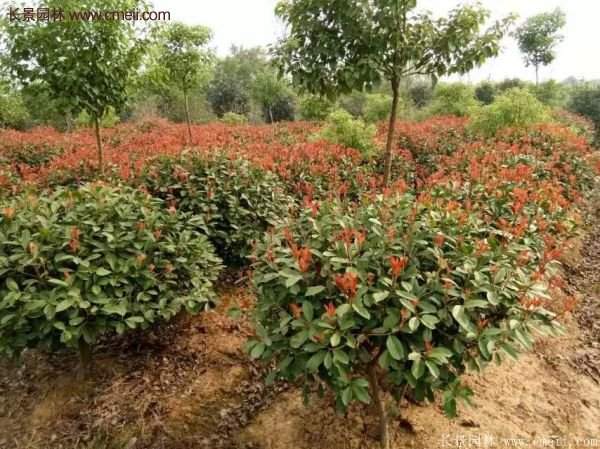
(395, 348)
(82, 276)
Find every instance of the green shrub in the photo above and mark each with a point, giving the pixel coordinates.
(109, 119)
(78, 264)
(378, 107)
(453, 99)
(421, 94)
(315, 108)
(353, 103)
(485, 93)
(585, 101)
(235, 201)
(340, 128)
(231, 118)
(516, 108)
(13, 112)
(412, 293)
(551, 93)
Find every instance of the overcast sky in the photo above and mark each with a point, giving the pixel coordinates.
(252, 22)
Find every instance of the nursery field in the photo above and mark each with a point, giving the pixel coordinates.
(196, 292)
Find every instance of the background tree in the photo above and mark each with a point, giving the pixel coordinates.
(274, 96)
(336, 46)
(184, 59)
(84, 64)
(538, 38)
(231, 87)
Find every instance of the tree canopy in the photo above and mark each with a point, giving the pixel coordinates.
(538, 38)
(335, 46)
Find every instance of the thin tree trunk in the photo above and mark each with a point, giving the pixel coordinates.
(389, 155)
(187, 117)
(537, 75)
(270, 114)
(85, 359)
(384, 437)
(99, 143)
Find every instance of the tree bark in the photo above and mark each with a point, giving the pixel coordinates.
(384, 437)
(389, 154)
(187, 117)
(99, 143)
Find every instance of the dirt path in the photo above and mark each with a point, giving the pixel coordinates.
(189, 385)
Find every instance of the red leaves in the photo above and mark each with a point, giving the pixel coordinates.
(74, 241)
(330, 310)
(398, 265)
(347, 284)
(296, 310)
(439, 240)
(303, 257)
(8, 212)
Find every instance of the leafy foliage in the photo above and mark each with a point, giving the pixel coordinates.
(231, 118)
(85, 64)
(78, 264)
(233, 201)
(314, 107)
(340, 128)
(336, 47)
(453, 99)
(585, 101)
(406, 286)
(538, 37)
(183, 54)
(517, 108)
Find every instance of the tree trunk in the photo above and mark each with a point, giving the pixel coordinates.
(187, 117)
(384, 437)
(389, 155)
(99, 143)
(537, 75)
(270, 114)
(85, 359)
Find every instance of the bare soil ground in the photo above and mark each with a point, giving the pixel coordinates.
(189, 385)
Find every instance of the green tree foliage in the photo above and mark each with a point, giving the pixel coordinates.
(516, 108)
(183, 59)
(231, 87)
(315, 107)
(510, 83)
(273, 95)
(585, 100)
(538, 38)
(454, 99)
(421, 93)
(337, 46)
(84, 64)
(79, 264)
(13, 111)
(551, 93)
(485, 92)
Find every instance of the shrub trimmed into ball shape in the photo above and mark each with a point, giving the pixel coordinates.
(397, 295)
(77, 264)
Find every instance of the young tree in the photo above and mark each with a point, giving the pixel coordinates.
(183, 54)
(336, 46)
(84, 64)
(538, 38)
(273, 95)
